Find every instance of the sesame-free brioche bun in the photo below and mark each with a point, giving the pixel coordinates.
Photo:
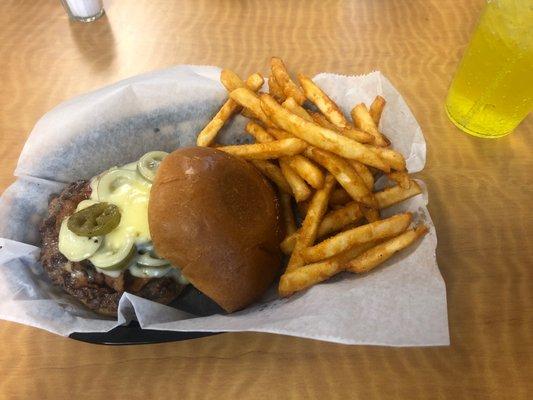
(216, 218)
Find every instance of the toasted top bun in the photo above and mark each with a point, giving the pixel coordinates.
(215, 217)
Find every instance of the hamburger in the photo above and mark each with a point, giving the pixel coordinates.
(196, 216)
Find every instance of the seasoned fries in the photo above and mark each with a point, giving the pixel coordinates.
(363, 120)
(275, 89)
(311, 274)
(207, 136)
(328, 107)
(305, 153)
(307, 170)
(320, 137)
(376, 109)
(291, 105)
(265, 151)
(345, 175)
(308, 232)
(249, 100)
(382, 252)
(279, 71)
(273, 172)
(299, 188)
(332, 222)
(362, 234)
(287, 214)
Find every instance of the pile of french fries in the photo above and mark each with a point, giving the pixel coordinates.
(328, 164)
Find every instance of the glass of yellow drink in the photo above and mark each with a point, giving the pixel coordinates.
(492, 91)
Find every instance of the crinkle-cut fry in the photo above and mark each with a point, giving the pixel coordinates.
(265, 151)
(311, 274)
(378, 230)
(395, 194)
(293, 106)
(318, 136)
(350, 132)
(280, 73)
(249, 99)
(275, 89)
(401, 178)
(362, 119)
(324, 103)
(287, 214)
(376, 109)
(333, 222)
(273, 172)
(307, 170)
(309, 229)
(383, 251)
(365, 174)
(344, 174)
(207, 136)
(298, 186)
(391, 157)
(260, 135)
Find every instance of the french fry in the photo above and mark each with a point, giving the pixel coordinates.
(382, 229)
(383, 251)
(257, 131)
(299, 188)
(376, 109)
(311, 274)
(279, 71)
(339, 197)
(248, 99)
(303, 206)
(307, 170)
(291, 105)
(279, 133)
(320, 137)
(385, 198)
(324, 103)
(304, 167)
(350, 132)
(332, 222)
(401, 178)
(287, 213)
(365, 174)
(275, 89)
(229, 108)
(394, 159)
(265, 151)
(345, 175)
(246, 113)
(273, 172)
(371, 214)
(309, 229)
(362, 119)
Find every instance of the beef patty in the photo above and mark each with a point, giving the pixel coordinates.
(97, 291)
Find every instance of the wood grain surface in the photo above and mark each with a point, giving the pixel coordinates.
(480, 199)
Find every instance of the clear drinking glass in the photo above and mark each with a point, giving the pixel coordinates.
(492, 91)
(84, 10)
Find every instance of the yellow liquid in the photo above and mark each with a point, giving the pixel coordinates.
(492, 91)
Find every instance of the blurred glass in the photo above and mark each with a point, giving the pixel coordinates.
(84, 10)
(492, 91)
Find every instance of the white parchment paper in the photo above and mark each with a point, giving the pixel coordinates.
(402, 303)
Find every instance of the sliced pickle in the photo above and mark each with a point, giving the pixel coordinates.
(147, 260)
(112, 180)
(96, 220)
(110, 258)
(74, 247)
(149, 163)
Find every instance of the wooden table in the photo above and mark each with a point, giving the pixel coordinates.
(480, 198)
